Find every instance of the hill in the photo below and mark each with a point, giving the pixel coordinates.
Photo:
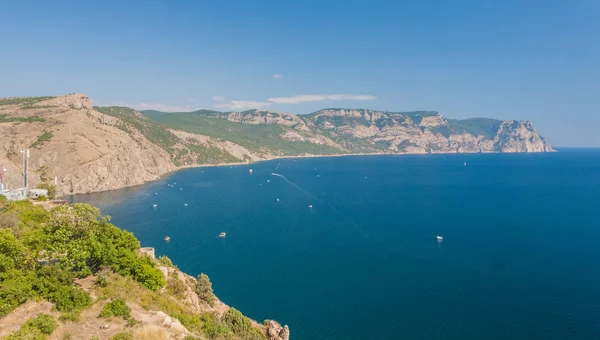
(88, 148)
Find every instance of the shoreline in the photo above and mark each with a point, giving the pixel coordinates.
(168, 173)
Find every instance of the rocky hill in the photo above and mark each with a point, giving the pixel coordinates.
(90, 149)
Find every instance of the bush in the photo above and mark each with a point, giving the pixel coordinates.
(175, 286)
(56, 285)
(237, 322)
(122, 336)
(42, 198)
(35, 328)
(48, 186)
(212, 326)
(44, 322)
(166, 261)
(70, 316)
(204, 290)
(116, 307)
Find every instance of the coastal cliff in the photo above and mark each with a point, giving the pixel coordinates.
(90, 149)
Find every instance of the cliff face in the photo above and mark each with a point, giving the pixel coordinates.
(92, 149)
(424, 132)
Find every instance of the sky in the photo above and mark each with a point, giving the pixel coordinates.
(504, 59)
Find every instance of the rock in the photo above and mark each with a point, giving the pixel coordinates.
(276, 332)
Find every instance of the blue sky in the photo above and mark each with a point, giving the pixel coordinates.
(534, 60)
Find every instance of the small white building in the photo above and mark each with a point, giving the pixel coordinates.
(16, 194)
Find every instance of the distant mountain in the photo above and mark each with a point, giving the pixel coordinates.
(101, 148)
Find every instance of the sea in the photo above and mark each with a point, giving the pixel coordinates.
(347, 248)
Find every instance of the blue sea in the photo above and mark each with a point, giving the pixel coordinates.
(520, 256)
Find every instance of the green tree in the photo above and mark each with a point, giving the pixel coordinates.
(116, 307)
(204, 289)
(48, 186)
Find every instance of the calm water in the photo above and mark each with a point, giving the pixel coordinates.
(520, 256)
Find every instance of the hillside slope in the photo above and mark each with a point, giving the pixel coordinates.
(92, 149)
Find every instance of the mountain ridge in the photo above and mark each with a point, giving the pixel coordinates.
(89, 148)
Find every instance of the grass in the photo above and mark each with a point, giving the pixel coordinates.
(25, 101)
(4, 118)
(486, 127)
(257, 138)
(46, 136)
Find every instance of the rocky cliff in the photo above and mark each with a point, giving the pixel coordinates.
(90, 149)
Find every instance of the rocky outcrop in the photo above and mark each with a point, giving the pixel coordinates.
(276, 332)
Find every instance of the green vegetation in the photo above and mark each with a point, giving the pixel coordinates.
(44, 137)
(115, 308)
(23, 101)
(37, 328)
(241, 325)
(477, 126)
(263, 137)
(4, 118)
(204, 289)
(43, 252)
(164, 260)
(122, 336)
(48, 186)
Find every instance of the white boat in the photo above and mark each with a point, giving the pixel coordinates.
(310, 206)
(167, 239)
(439, 238)
(223, 234)
(154, 205)
(185, 205)
(250, 171)
(465, 163)
(278, 200)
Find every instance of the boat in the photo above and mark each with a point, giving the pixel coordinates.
(310, 206)
(223, 234)
(250, 171)
(278, 200)
(167, 239)
(465, 163)
(185, 205)
(439, 238)
(154, 205)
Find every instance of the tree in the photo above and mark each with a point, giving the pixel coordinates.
(204, 289)
(48, 186)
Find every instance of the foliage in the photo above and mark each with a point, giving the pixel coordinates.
(116, 307)
(42, 198)
(44, 137)
(122, 336)
(166, 261)
(4, 118)
(477, 126)
(36, 328)
(69, 316)
(213, 327)
(41, 253)
(204, 289)
(28, 101)
(48, 186)
(237, 322)
(175, 286)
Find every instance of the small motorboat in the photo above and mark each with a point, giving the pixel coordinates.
(439, 238)
(167, 239)
(278, 200)
(154, 205)
(310, 206)
(185, 205)
(250, 171)
(223, 234)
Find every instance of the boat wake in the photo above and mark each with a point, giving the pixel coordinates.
(299, 188)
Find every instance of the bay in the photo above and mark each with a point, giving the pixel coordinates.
(519, 258)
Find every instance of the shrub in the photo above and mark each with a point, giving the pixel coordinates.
(48, 186)
(212, 326)
(35, 328)
(70, 316)
(166, 261)
(204, 290)
(237, 322)
(44, 322)
(175, 286)
(56, 285)
(116, 307)
(122, 336)
(42, 198)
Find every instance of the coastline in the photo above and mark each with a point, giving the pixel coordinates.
(167, 173)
